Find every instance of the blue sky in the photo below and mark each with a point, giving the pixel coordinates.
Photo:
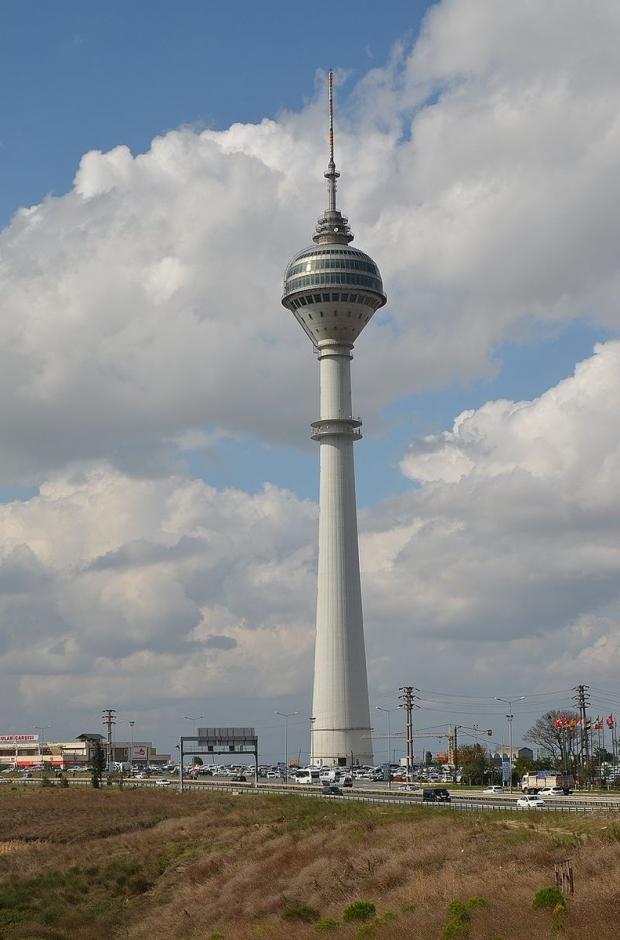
(494, 226)
(88, 76)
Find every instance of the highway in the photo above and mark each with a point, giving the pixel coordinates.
(367, 792)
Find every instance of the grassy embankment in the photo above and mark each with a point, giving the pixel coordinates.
(146, 864)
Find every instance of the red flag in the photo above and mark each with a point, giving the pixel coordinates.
(610, 721)
(559, 722)
(598, 724)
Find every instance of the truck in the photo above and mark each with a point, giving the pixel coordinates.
(536, 780)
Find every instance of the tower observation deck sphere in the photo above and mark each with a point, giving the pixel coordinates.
(333, 291)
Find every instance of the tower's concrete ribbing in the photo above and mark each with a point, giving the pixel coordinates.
(333, 290)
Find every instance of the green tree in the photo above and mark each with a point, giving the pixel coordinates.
(98, 763)
(474, 763)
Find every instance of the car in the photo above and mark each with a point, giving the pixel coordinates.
(239, 778)
(530, 801)
(411, 787)
(493, 789)
(551, 791)
(436, 795)
(332, 790)
(162, 783)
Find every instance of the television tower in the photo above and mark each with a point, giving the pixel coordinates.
(333, 291)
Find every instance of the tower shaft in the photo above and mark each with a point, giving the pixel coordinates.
(341, 729)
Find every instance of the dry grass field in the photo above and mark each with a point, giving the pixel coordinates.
(138, 864)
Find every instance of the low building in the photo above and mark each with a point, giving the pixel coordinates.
(27, 751)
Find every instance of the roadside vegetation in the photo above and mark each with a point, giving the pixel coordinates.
(136, 864)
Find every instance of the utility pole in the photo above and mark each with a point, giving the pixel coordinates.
(131, 724)
(407, 697)
(582, 700)
(109, 719)
(453, 745)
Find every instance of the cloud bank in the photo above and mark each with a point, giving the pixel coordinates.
(479, 168)
(140, 318)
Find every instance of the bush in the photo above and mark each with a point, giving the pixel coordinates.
(302, 912)
(476, 902)
(359, 910)
(551, 896)
(326, 924)
(366, 930)
(459, 911)
(456, 930)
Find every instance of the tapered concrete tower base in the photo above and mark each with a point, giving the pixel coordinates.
(341, 729)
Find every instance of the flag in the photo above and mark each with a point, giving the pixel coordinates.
(610, 721)
(598, 724)
(559, 722)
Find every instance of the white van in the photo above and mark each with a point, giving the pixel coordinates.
(308, 775)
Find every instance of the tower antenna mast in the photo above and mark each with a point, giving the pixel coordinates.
(332, 174)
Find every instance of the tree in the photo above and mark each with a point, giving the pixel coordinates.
(99, 763)
(553, 735)
(474, 762)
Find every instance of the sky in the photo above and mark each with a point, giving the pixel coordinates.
(158, 487)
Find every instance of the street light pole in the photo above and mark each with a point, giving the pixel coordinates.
(286, 716)
(187, 718)
(380, 708)
(509, 716)
(131, 724)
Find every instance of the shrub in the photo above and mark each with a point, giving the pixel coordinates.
(366, 930)
(302, 912)
(457, 926)
(359, 910)
(456, 930)
(326, 924)
(551, 896)
(459, 911)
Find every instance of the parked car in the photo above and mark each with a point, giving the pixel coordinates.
(530, 801)
(332, 790)
(239, 778)
(493, 789)
(436, 795)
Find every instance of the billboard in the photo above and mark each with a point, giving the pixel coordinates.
(227, 735)
(19, 738)
(140, 752)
